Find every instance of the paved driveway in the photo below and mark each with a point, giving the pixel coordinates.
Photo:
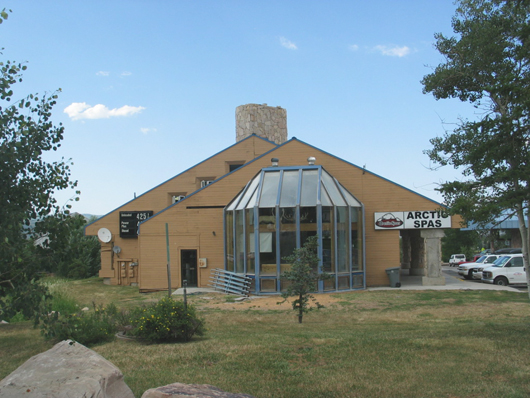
(453, 281)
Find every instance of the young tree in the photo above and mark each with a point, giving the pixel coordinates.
(27, 181)
(303, 277)
(65, 250)
(487, 64)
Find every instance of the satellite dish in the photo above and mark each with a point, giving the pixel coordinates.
(104, 235)
(116, 249)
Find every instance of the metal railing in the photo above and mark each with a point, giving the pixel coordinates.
(230, 282)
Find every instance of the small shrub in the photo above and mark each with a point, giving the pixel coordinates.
(86, 328)
(19, 317)
(167, 321)
(63, 303)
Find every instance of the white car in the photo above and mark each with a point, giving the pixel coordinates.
(456, 259)
(471, 270)
(506, 270)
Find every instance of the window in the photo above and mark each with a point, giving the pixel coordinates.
(175, 197)
(204, 181)
(234, 165)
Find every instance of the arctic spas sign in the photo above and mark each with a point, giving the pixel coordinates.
(412, 220)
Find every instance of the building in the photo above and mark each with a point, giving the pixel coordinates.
(248, 206)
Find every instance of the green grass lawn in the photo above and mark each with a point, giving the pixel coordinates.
(363, 344)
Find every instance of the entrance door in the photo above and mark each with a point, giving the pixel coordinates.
(188, 266)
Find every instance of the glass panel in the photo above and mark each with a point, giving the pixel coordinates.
(309, 188)
(250, 242)
(289, 195)
(288, 215)
(267, 218)
(343, 239)
(332, 189)
(252, 201)
(284, 285)
(356, 239)
(308, 215)
(240, 247)
(287, 233)
(328, 240)
(229, 241)
(329, 284)
(287, 244)
(251, 189)
(269, 191)
(358, 281)
(349, 197)
(344, 282)
(268, 285)
(234, 202)
(304, 235)
(267, 255)
(324, 197)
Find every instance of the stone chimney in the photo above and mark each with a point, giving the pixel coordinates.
(265, 121)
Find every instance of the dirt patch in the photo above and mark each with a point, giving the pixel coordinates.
(221, 301)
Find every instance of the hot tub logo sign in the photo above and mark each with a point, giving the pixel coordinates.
(423, 219)
(389, 220)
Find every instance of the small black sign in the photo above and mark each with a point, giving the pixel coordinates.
(129, 221)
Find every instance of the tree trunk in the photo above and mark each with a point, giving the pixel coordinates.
(525, 243)
(300, 310)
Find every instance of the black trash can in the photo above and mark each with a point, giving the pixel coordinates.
(394, 276)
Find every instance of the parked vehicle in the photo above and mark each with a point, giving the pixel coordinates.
(506, 270)
(470, 270)
(457, 259)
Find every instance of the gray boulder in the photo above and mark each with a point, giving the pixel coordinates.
(67, 370)
(176, 390)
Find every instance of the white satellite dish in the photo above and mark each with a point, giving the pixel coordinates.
(104, 235)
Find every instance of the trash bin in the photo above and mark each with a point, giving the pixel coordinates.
(394, 275)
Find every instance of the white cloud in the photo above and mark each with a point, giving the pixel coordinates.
(125, 73)
(103, 73)
(81, 110)
(288, 44)
(353, 47)
(147, 130)
(393, 51)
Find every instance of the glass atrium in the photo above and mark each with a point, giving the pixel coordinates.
(291, 204)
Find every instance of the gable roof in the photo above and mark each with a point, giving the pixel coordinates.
(271, 152)
(185, 171)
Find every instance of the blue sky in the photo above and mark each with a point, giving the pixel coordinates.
(149, 88)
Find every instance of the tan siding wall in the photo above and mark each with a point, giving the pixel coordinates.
(159, 198)
(193, 228)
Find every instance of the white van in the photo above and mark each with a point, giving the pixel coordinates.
(506, 270)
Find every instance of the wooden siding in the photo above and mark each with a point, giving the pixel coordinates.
(195, 223)
(159, 197)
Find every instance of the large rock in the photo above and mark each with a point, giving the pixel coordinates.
(176, 390)
(68, 370)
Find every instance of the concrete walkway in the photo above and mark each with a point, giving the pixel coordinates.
(453, 281)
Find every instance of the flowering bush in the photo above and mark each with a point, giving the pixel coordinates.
(167, 321)
(87, 328)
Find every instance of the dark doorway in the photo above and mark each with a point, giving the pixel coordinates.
(188, 266)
